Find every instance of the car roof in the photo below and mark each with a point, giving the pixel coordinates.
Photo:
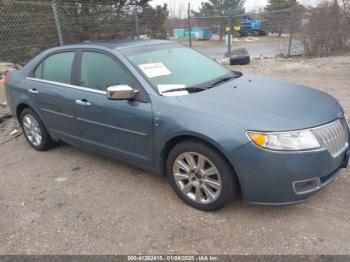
(117, 44)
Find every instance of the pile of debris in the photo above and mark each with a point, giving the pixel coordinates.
(9, 128)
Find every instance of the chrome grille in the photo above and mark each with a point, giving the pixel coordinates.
(334, 136)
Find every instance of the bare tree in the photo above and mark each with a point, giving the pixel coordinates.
(177, 15)
(327, 30)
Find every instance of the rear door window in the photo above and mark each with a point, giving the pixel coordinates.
(57, 68)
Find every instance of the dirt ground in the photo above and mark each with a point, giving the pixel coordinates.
(66, 201)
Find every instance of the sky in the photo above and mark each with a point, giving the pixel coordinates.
(249, 4)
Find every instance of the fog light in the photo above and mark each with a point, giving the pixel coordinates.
(306, 186)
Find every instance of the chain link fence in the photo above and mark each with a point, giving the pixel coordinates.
(257, 32)
(284, 31)
(91, 20)
(28, 27)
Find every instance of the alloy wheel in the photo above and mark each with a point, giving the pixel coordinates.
(197, 177)
(32, 130)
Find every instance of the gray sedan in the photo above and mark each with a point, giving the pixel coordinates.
(160, 106)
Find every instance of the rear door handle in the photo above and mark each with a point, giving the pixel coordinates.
(33, 91)
(82, 102)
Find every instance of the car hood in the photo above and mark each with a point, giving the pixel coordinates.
(265, 104)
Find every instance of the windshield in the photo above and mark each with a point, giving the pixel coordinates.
(173, 67)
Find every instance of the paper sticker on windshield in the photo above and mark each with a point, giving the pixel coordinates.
(172, 90)
(155, 70)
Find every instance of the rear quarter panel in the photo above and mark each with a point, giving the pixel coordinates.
(16, 91)
(17, 94)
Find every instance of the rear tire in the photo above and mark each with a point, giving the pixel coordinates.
(35, 131)
(201, 176)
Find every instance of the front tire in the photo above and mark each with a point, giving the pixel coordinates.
(201, 176)
(35, 131)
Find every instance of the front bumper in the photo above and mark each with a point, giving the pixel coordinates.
(270, 177)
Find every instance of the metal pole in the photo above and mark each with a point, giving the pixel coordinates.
(292, 29)
(57, 21)
(189, 25)
(229, 36)
(136, 19)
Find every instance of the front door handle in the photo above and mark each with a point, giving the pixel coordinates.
(33, 91)
(82, 102)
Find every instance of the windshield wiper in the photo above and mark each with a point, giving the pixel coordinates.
(227, 78)
(236, 74)
(194, 88)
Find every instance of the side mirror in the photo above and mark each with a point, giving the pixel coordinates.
(121, 92)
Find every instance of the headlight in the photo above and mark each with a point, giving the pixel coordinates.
(288, 141)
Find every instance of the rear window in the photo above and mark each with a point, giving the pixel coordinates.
(57, 68)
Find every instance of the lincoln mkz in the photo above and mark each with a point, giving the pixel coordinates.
(215, 133)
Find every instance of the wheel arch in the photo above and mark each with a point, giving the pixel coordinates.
(21, 107)
(180, 138)
(47, 141)
(19, 110)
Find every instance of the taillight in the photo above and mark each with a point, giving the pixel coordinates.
(6, 80)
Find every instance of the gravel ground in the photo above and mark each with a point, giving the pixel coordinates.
(67, 201)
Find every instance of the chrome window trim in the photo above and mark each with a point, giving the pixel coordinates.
(67, 85)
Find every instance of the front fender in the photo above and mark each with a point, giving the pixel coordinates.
(226, 148)
(179, 121)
